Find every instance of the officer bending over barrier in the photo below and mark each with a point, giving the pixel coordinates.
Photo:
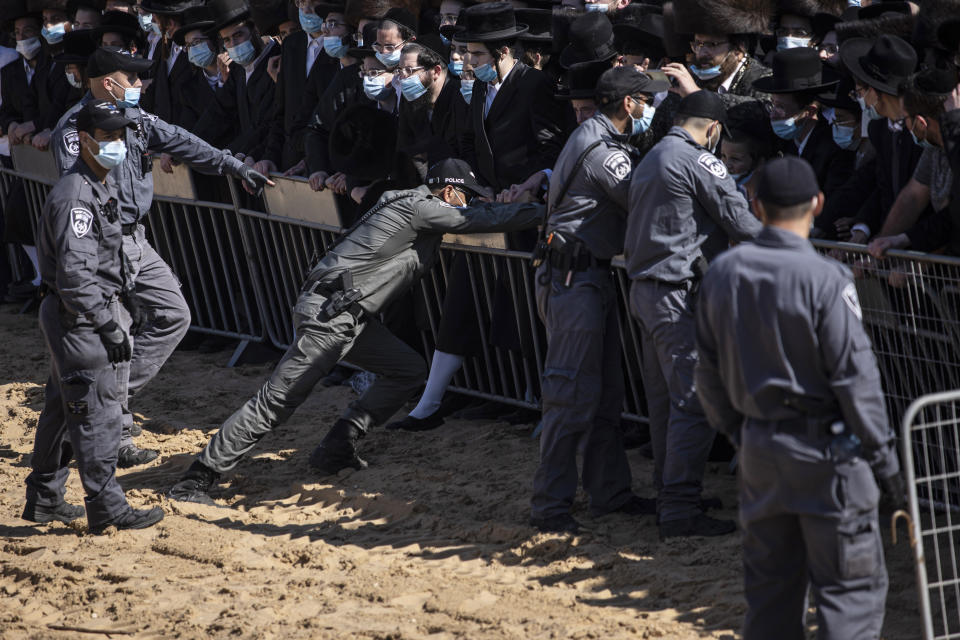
(388, 249)
(787, 372)
(85, 329)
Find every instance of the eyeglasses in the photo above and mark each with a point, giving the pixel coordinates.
(696, 45)
(199, 42)
(857, 94)
(829, 49)
(372, 73)
(796, 32)
(333, 24)
(460, 49)
(447, 19)
(406, 72)
(773, 109)
(639, 99)
(387, 48)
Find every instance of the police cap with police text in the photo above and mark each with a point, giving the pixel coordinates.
(102, 114)
(786, 182)
(454, 172)
(618, 82)
(107, 60)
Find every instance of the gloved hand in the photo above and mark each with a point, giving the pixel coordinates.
(138, 315)
(115, 341)
(895, 489)
(253, 180)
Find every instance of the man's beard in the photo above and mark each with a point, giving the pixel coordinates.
(727, 66)
(421, 104)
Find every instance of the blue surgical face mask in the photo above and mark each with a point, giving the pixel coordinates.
(334, 46)
(201, 55)
(844, 135)
(741, 178)
(112, 154)
(869, 112)
(412, 88)
(73, 81)
(485, 73)
(456, 68)
(389, 60)
(790, 42)
(243, 54)
(131, 97)
(602, 7)
(54, 35)
(445, 40)
(642, 123)
(786, 129)
(375, 88)
(923, 144)
(705, 74)
(466, 89)
(29, 48)
(146, 21)
(311, 22)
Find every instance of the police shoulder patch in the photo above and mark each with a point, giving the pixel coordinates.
(71, 142)
(849, 295)
(80, 221)
(617, 164)
(712, 164)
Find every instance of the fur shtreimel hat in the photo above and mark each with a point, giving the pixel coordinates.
(893, 24)
(809, 8)
(724, 17)
(933, 13)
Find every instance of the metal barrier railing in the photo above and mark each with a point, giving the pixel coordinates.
(930, 434)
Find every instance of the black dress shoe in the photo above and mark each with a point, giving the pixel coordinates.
(417, 424)
(635, 506)
(63, 512)
(195, 485)
(133, 519)
(562, 523)
(133, 456)
(698, 525)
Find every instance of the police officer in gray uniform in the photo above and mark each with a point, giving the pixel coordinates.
(786, 370)
(386, 251)
(684, 209)
(154, 299)
(577, 300)
(85, 330)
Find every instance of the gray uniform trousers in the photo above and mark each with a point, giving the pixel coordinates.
(582, 395)
(168, 319)
(679, 432)
(808, 519)
(82, 400)
(319, 345)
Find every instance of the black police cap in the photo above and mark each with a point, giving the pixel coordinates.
(454, 172)
(102, 114)
(703, 104)
(786, 182)
(618, 82)
(107, 60)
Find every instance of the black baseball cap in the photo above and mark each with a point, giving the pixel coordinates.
(787, 181)
(618, 82)
(102, 114)
(454, 172)
(106, 60)
(703, 104)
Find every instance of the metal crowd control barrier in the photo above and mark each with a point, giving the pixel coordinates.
(931, 439)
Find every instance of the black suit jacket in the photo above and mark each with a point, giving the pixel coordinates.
(428, 139)
(832, 165)
(345, 90)
(241, 110)
(18, 105)
(163, 96)
(194, 94)
(284, 145)
(520, 135)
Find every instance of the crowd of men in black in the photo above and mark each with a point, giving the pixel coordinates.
(369, 96)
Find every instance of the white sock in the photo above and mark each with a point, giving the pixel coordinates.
(32, 254)
(442, 368)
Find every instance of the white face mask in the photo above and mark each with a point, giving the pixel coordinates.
(74, 81)
(29, 48)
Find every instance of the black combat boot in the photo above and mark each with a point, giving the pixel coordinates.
(195, 485)
(133, 456)
(132, 519)
(63, 512)
(339, 448)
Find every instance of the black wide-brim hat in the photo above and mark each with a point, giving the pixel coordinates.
(949, 33)
(884, 64)
(369, 37)
(839, 96)
(121, 22)
(646, 35)
(794, 71)
(73, 5)
(590, 38)
(538, 23)
(13, 10)
(78, 46)
(167, 7)
(194, 19)
(489, 22)
(581, 80)
(228, 12)
(363, 141)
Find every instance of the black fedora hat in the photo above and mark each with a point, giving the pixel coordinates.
(884, 64)
(581, 80)
(227, 12)
(489, 22)
(949, 33)
(78, 46)
(877, 9)
(824, 23)
(167, 7)
(73, 5)
(402, 17)
(121, 22)
(268, 15)
(644, 35)
(13, 10)
(369, 36)
(538, 21)
(590, 38)
(795, 70)
(362, 142)
(194, 18)
(839, 96)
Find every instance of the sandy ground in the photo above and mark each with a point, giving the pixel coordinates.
(430, 542)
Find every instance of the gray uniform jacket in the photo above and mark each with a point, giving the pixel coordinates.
(594, 208)
(683, 203)
(134, 178)
(776, 319)
(394, 244)
(79, 248)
